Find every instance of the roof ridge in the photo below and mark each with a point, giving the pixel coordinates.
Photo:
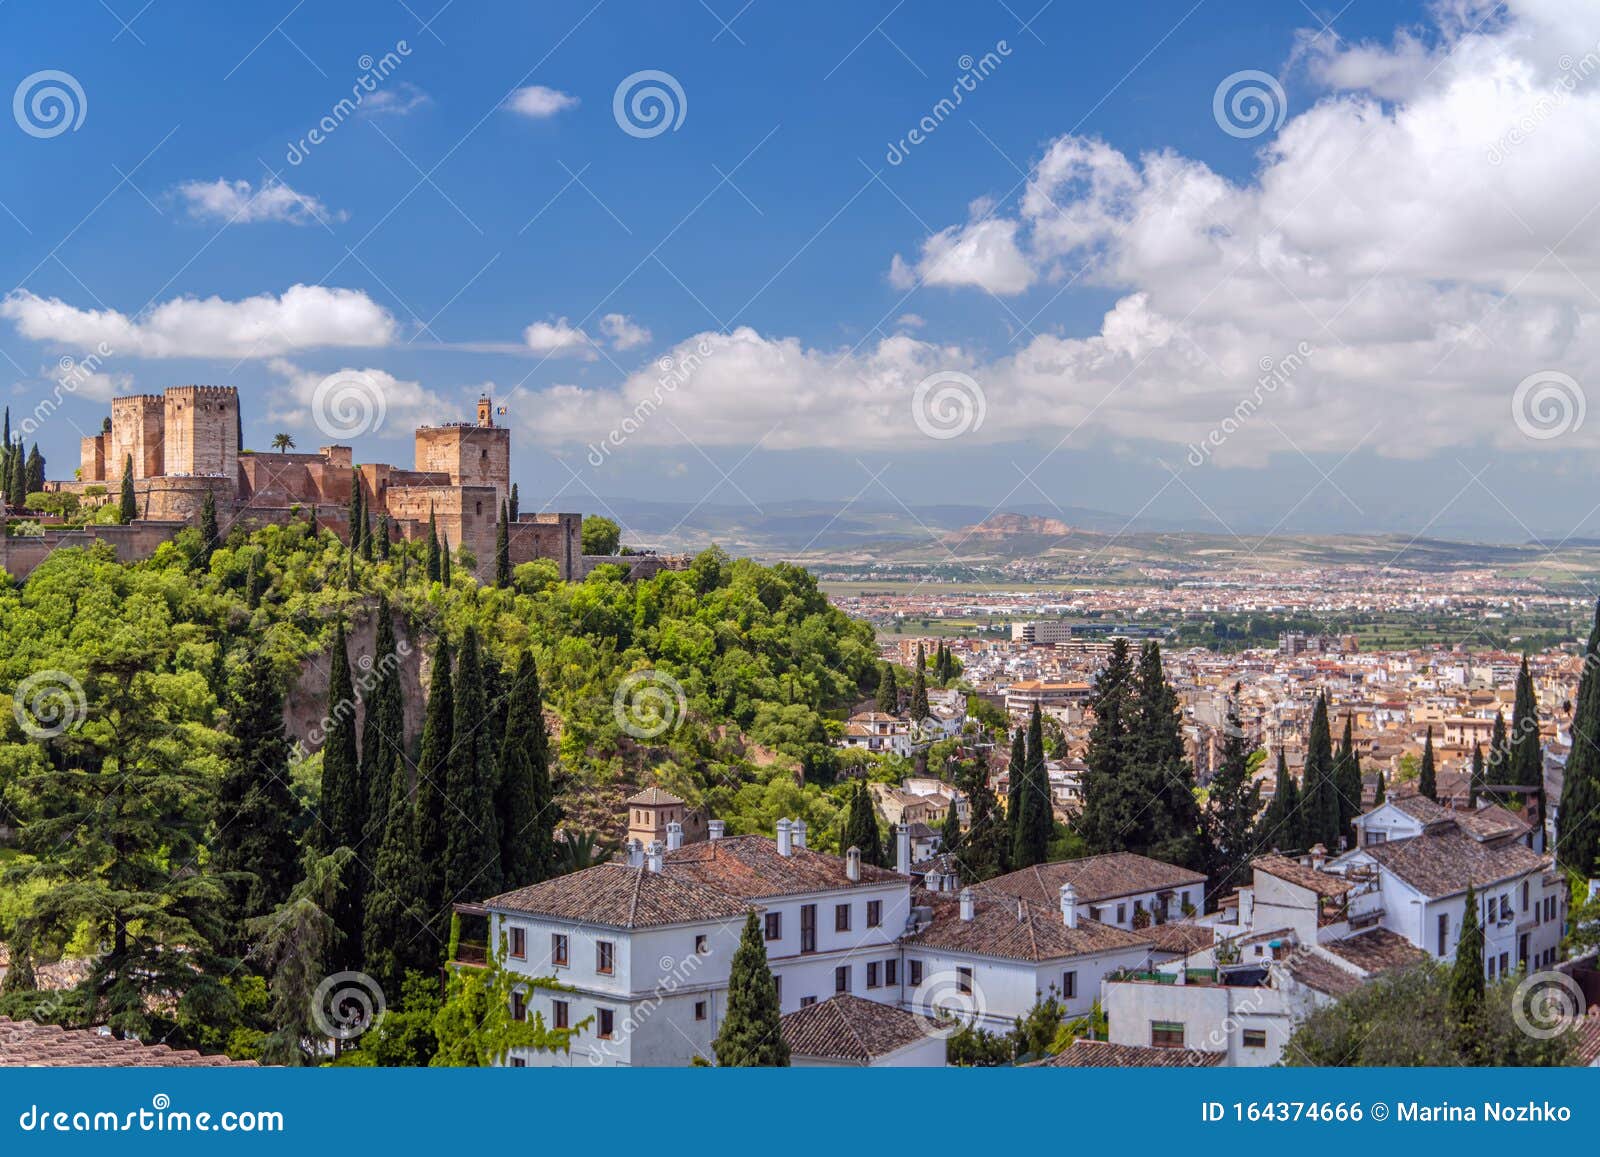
(633, 903)
(851, 1029)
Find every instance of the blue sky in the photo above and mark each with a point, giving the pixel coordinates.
(456, 209)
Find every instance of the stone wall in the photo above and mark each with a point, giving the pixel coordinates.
(470, 455)
(202, 430)
(132, 542)
(136, 429)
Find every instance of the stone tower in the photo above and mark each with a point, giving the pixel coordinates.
(136, 430)
(202, 431)
(475, 455)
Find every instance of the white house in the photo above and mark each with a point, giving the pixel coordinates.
(1119, 888)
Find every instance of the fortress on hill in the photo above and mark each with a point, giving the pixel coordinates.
(186, 442)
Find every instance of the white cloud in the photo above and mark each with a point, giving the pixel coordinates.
(395, 100)
(303, 317)
(557, 339)
(623, 332)
(538, 102)
(237, 203)
(911, 321)
(405, 404)
(982, 253)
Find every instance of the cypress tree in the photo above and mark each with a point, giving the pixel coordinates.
(472, 833)
(861, 827)
(1235, 800)
(398, 917)
(35, 469)
(382, 545)
(366, 536)
(6, 437)
(950, 831)
(1578, 832)
(344, 800)
(1035, 814)
(1169, 829)
(1466, 976)
(210, 536)
(525, 803)
(434, 569)
(255, 811)
(985, 848)
(1475, 782)
(1427, 779)
(383, 732)
(888, 692)
(432, 771)
(444, 560)
(1320, 795)
(751, 1036)
(919, 696)
(1380, 792)
(1527, 756)
(922, 658)
(130, 505)
(1283, 824)
(502, 549)
(1347, 781)
(1112, 799)
(252, 583)
(17, 483)
(1498, 771)
(355, 516)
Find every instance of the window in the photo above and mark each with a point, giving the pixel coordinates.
(807, 1001)
(608, 1021)
(558, 950)
(1491, 968)
(964, 980)
(774, 925)
(1255, 1038)
(559, 1013)
(605, 957)
(777, 989)
(1505, 908)
(519, 943)
(1166, 1034)
(519, 1005)
(1122, 913)
(701, 945)
(1505, 963)
(874, 913)
(1524, 895)
(1376, 838)
(518, 1063)
(1444, 933)
(1069, 985)
(841, 917)
(808, 928)
(872, 974)
(841, 978)
(891, 972)
(914, 972)
(699, 1010)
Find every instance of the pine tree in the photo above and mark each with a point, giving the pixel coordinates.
(432, 773)
(502, 549)
(751, 1035)
(1578, 833)
(1112, 797)
(255, 810)
(343, 813)
(1427, 779)
(130, 505)
(472, 832)
(888, 693)
(525, 802)
(1466, 975)
(434, 567)
(919, 696)
(210, 536)
(1235, 800)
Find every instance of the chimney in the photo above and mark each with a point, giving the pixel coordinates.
(785, 838)
(798, 833)
(1319, 855)
(652, 858)
(635, 854)
(674, 836)
(1069, 905)
(852, 865)
(902, 849)
(966, 904)
(716, 829)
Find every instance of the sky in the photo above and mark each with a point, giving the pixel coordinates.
(1244, 267)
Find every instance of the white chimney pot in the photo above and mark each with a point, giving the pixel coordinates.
(967, 904)
(674, 836)
(785, 838)
(852, 864)
(653, 856)
(1069, 905)
(902, 849)
(716, 829)
(797, 833)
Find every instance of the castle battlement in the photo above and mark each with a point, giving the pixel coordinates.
(223, 392)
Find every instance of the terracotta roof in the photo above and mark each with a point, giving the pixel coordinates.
(1095, 878)
(1443, 863)
(652, 797)
(1296, 873)
(1096, 1054)
(1586, 1046)
(1377, 951)
(618, 896)
(751, 868)
(1421, 808)
(850, 1028)
(1179, 938)
(1322, 975)
(24, 1044)
(1016, 929)
(1492, 823)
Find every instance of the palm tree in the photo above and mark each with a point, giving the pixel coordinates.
(283, 443)
(583, 850)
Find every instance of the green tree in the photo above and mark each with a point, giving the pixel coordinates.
(35, 469)
(435, 561)
(399, 926)
(1499, 769)
(342, 814)
(1282, 822)
(983, 850)
(296, 943)
(472, 832)
(600, 535)
(525, 804)
(1578, 842)
(919, 696)
(515, 502)
(1016, 784)
(1112, 796)
(355, 516)
(1234, 803)
(888, 693)
(129, 508)
(861, 827)
(1168, 829)
(210, 535)
(1036, 812)
(383, 732)
(282, 442)
(432, 775)
(1475, 781)
(1427, 777)
(502, 549)
(751, 1035)
(1320, 793)
(1380, 791)
(17, 479)
(1466, 978)
(1347, 781)
(474, 1026)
